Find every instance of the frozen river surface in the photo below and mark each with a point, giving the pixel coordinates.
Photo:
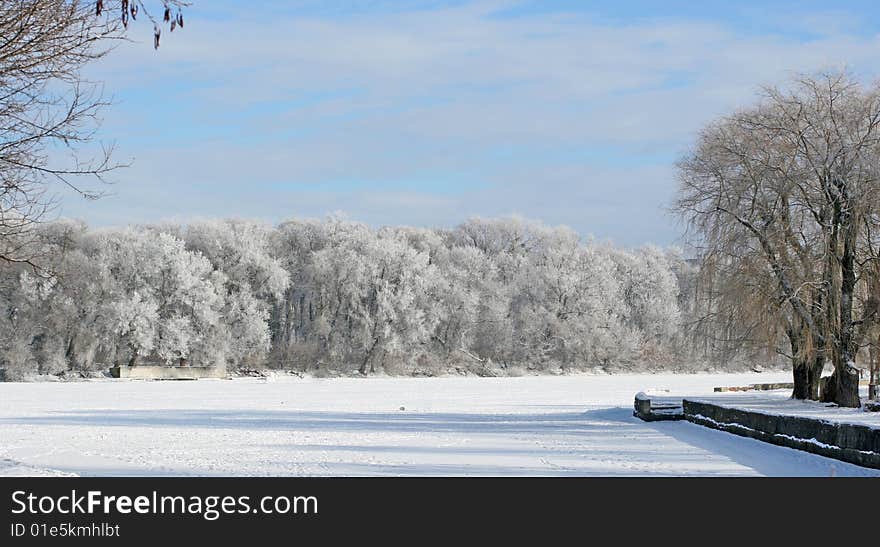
(572, 425)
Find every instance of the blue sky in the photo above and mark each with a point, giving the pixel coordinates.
(429, 112)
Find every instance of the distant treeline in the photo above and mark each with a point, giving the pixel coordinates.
(500, 296)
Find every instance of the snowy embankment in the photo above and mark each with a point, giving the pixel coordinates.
(571, 425)
(847, 434)
(778, 403)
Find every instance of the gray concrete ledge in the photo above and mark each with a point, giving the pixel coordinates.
(655, 410)
(852, 443)
(154, 372)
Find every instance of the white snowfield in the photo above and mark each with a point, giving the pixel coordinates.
(571, 425)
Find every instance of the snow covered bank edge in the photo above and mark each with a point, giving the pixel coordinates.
(852, 443)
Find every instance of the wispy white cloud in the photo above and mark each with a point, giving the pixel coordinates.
(230, 110)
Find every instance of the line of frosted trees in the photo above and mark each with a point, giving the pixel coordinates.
(501, 296)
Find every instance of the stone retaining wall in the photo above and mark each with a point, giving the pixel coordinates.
(858, 444)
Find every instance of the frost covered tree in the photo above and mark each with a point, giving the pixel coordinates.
(161, 300)
(49, 322)
(358, 297)
(253, 280)
(491, 296)
(117, 296)
(567, 307)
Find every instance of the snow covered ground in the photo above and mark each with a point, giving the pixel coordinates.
(573, 425)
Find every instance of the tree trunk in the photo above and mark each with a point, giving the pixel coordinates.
(800, 367)
(368, 358)
(843, 387)
(875, 369)
(70, 354)
(847, 381)
(806, 369)
(807, 373)
(801, 370)
(816, 375)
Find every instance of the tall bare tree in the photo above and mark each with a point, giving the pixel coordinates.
(48, 111)
(790, 181)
